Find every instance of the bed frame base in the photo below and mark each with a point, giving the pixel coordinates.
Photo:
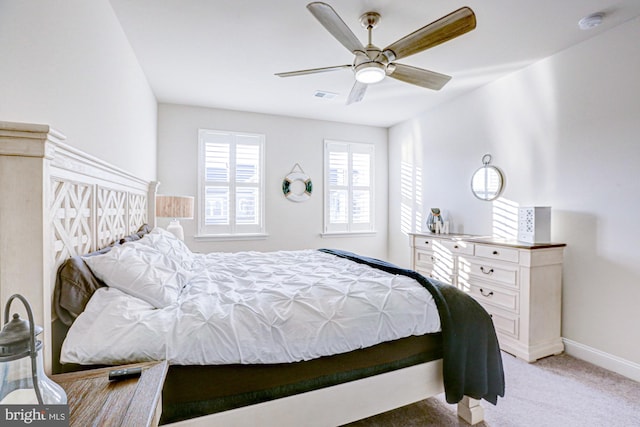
(343, 403)
(470, 410)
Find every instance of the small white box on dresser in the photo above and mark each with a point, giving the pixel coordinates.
(534, 224)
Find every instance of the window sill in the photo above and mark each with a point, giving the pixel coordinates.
(229, 237)
(349, 234)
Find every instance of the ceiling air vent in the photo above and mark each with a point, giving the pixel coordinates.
(324, 94)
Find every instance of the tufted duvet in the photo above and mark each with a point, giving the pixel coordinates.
(165, 302)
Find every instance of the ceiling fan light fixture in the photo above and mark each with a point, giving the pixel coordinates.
(370, 72)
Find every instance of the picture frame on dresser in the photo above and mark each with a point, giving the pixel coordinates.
(518, 283)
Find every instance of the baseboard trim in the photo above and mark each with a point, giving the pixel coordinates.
(604, 360)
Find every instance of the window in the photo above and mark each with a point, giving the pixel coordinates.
(230, 183)
(349, 196)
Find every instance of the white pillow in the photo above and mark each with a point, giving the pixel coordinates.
(169, 245)
(142, 272)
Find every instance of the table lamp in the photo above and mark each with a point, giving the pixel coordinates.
(174, 207)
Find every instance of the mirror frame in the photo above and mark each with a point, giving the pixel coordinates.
(486, 159)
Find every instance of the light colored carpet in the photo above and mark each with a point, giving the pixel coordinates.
(558, 391)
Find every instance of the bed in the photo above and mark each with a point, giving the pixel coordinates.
(83, 205)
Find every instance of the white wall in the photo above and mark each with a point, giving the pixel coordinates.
(565, 133)
(68, 64)
(289, 141)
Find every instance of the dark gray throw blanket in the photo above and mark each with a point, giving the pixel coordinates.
(472, 365)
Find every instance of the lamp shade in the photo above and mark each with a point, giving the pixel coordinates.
(176, 207)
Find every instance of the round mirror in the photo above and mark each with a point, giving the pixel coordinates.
(487, 182)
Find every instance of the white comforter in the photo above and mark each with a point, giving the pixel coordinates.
(248, 307)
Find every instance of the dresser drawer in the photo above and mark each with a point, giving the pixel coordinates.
(505, 323)
(454, 247)
(436, 274)
(492, 295)
(503, 274)
(423, 263)
(498, 252)
(434, 266)
(437, 258)
(423, 257)
(442, 271)
(424, 243)
(425, 270)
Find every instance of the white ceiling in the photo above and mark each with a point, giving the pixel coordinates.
(224, 53)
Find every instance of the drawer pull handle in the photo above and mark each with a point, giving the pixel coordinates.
(486, 272)
(488, 294)
(496, 253)
(456, 247)
(426, 242)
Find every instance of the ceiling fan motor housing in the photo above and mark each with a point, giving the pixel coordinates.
(370, 66)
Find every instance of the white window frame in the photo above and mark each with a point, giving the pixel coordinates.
(232, 230)
(349, 228)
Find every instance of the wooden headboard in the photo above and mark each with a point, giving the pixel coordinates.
(57, 202)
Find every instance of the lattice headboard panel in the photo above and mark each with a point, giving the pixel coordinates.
(87, 217)
(58, 202)
(137, 208)
(71, 218)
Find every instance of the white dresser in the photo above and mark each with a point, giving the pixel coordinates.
(519, 284)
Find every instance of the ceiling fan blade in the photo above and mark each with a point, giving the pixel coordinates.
(357, 92)
(335, 25)
(312, 71)
(444, 29)
(418, 76)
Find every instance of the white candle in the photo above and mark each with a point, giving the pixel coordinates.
(22, 396)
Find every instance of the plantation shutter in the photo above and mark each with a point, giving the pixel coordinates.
(231, 183)
(349, 187)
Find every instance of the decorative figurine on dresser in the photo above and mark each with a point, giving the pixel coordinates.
(434, 220)
(518, 283)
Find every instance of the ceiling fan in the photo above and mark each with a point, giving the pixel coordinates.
(371, 64)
